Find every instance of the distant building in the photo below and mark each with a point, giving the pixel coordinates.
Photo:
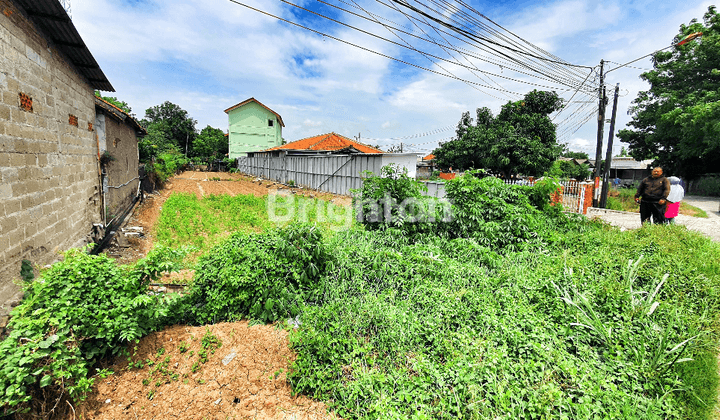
(328, 162)
(426, 166)
(252, 127)
(330, 143)
(628, 169)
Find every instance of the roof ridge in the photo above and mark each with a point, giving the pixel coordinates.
(326, 136)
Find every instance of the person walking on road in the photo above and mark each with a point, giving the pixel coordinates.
(677, 192)
(652, 195)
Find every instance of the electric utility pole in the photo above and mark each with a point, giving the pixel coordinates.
(601, 126)
(608, 154)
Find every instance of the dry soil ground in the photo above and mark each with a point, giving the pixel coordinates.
(242, 379)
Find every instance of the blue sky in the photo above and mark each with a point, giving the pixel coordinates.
(206, 56)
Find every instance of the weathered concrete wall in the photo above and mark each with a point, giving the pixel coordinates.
(49, 180)
(122, 172)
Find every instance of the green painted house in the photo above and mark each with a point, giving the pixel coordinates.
(252, 127)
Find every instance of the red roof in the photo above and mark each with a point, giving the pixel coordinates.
(331, 141)
(246, 101)
(429, 157)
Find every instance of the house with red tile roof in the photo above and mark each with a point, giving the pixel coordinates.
(330, 142)
(252, 127)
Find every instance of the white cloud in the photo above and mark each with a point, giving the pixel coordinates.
(546, 24)
(312, 124)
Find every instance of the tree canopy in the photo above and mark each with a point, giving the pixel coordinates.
(677, 121)
(520, 140)
(210, 143)
(169, 126)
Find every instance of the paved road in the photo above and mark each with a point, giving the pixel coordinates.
(709, 226)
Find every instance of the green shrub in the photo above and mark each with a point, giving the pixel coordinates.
(266, 276)
(168, 164)
(79, 310)
(707, 185)
(394, 200)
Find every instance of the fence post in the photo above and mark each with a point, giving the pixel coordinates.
(588, 197)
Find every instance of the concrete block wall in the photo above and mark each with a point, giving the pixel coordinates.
(122, 172)
(49, 180)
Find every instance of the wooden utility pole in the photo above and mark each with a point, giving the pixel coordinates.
(608, 154)
(601, 126)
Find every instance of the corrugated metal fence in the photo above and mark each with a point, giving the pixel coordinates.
(337, 174)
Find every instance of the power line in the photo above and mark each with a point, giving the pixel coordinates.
(392, 42)
(393, 58)
(444, 69)
(365, 48)
(498, 34)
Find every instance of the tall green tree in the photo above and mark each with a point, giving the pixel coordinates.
(211, 143)
(520, 140)
(158, 140)
(677, 121)
(173, 122)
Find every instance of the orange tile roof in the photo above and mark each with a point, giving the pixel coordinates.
(429, 157)
(330, 141)
(259, 103)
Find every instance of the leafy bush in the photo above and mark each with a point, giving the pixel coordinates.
(78, 311)
(565, 169)
(486, 209)
(707, 185)
(168, 164)
(266, 276)
(394, 200)
(490, 211)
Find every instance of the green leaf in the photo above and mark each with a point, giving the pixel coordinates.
(45, 381)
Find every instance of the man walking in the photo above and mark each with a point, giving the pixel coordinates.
(652, 195)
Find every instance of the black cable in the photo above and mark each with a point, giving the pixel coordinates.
(479, 46)
(448, 43)
(429, 39)
(439, 65)
(554, 65)
(467, 33)
(392, 42)
(368, 49)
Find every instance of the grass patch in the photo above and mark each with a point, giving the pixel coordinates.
(187, 220)
(693, 211)
(578, 321)
(204, 222)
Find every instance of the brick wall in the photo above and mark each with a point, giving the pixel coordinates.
(49, 183)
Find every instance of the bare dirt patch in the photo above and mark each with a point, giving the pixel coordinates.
(244, 378)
